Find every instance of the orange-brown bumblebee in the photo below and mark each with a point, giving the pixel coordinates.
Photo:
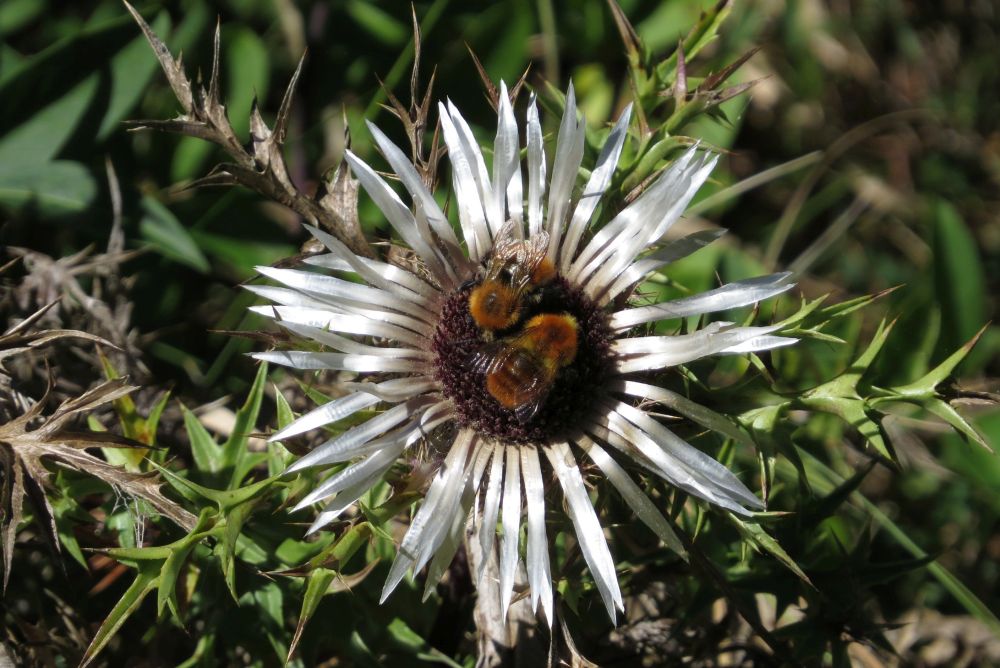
(520, 369)
(514, 270)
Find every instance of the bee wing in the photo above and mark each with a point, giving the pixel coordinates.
(530, 255)
(488, 358)
(506, 244)
(537, 393)
(538, 244)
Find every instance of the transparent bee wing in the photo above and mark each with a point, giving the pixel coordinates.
(525, 413)
(488, 358)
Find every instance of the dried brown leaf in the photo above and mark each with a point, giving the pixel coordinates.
(281, 121)
(713, 80)
(342, 195)
(213, 82)
(492, 94)
(24, 450)
(172, 68)
(680, 85)
(630, 38)
(261, 169)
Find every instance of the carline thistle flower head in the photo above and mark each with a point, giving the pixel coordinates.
(513, 347)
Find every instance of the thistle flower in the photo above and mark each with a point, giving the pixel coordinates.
(416, 347)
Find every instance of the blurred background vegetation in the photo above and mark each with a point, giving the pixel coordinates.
(879, 119)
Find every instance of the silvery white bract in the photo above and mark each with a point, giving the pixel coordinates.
(388, 327)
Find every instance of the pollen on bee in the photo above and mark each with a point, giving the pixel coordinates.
(494, 305)
(553, 337)
(543, 272)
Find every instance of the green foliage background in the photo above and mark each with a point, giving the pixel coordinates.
(901, 99)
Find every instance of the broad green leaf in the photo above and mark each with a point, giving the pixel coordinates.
(167, 235)
(153, 419)
(38, 140)
(133, 426)
(958, 277)
(65, 513)
(411, 641)
(131, 71)
(241, 254)
(188, 159)
(55, 188)
(10, 60)
(385, 27)
(246, 60)
(17, 13)
(269, 599)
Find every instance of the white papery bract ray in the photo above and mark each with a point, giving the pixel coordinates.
(380, 324)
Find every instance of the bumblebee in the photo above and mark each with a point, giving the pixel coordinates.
(521, 369)
(514, 271)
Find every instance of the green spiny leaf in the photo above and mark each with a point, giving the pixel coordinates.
(235, 447)
(761, 540)
(145, 581)
(317, 583)
(925, 387)
(947, 412)
(206, 452)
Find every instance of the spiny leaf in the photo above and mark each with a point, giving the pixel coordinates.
(225, 499)
(145, 581)
(966, 597)
(630, 38)
(827, 506)
(234, 450)
(947, 412)
(761, 540)
(206, 452)
(235, 519)
(171, 568)
(715, 79)
(926, 386)
(317, 583)
(845, 386)
(172, 68)
(698, 38)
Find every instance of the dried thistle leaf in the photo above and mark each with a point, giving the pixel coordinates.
(24, 451)
(715, 79)
(680, 85)
(342, 195)
(281, 121)
(172, 68)
(492, 94)
(262, 168)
